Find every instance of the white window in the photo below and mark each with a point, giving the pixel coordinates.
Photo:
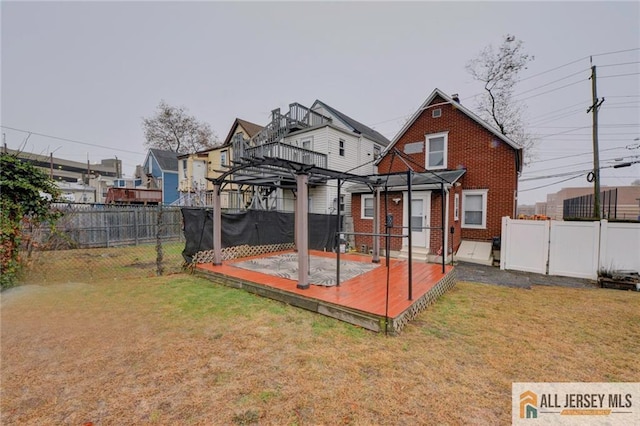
(436, 113)
(341, 146)
(376, 152)
(474, 209)
(436, 151)
(223, 158)
(456, 207)
(184, 168)
(306, 156)
(342, 204)
(367, 207)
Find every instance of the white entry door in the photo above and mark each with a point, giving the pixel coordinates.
(420, 217)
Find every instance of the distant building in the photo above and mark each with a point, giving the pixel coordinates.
(75, 192)
(555, 201)
(540, 209)
(622, 203)
(79, 182)
(161, 171)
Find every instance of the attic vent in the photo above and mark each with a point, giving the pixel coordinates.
(436, 113)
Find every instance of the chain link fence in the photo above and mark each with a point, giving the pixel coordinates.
(102, 242)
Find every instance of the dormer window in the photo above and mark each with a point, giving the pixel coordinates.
(436, 151)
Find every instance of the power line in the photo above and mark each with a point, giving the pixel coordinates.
(550, 83)
(619, 75)
(72, 141)
(553, 90)
(619, 65)
(576, 155)
(617, 51)
(551, 184)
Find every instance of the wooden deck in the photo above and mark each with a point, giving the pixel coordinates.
(361, 300)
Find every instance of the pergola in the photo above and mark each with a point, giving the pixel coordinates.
(287, 174)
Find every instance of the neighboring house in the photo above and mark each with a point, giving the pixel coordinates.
(194, 169)
(455, 155)
(320, 135)
(161, 171)
(76, 192)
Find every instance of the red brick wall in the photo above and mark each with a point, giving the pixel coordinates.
(490, 164)
(366, 225)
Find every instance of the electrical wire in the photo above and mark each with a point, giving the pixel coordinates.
(72, 140)
(550, 83)
(619, 75)
(550, 184)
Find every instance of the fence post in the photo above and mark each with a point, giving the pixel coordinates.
(159, 254)
(135, 224)
(602, 246)
(106, 228)
(504, 243)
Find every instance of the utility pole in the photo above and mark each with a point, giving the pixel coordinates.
(596, 153)
(51, 165)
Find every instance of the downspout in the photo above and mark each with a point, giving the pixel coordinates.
(445, 251)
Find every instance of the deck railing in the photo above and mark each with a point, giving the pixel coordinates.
(287, 152)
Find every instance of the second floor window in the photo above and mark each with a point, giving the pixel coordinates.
(436, 151)
(341, 146)
(223, 158)
(184, 168)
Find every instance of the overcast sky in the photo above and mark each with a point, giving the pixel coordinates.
(89, 71)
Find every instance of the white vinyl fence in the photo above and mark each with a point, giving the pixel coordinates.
(571, 249)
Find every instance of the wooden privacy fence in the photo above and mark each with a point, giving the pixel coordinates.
(571, 249)
(91, 226)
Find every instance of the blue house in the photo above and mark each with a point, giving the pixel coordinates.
(161, 170)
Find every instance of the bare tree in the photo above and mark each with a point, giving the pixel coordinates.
(498, 69)
(172, 129)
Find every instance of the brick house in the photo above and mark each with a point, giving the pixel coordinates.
(453, 154)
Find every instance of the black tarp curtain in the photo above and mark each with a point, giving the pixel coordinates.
(253, 227)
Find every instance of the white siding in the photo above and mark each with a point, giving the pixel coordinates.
(199, 174)
(358, 150)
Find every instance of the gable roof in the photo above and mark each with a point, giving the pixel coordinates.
(167, 160)
(251, 128)
(460, 107)
(356, 126)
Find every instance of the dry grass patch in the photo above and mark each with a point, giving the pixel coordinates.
(112, 263)
(182, 350)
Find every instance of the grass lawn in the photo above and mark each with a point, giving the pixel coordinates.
(181, 350)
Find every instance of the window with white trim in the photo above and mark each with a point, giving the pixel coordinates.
(341, 147)
(367, 207)
(223, 158)
(436, 151)
(306, 156)
(474, 209)
(184, 168)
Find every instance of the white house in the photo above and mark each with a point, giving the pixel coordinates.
(320, 135)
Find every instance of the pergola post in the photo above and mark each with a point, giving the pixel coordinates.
(295, 222)
(302, 227)
(376, 226)
(217, 226)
